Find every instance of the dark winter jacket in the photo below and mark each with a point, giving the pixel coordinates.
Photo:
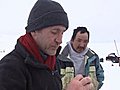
(20, 71)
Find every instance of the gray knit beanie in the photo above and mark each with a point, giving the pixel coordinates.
(46, 13)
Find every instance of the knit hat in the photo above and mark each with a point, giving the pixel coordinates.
(46, 13)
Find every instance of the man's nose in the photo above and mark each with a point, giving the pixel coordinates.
(59, 39)
(82, 44)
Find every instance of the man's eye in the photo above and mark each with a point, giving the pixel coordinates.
(86, 41)
(78, 40)
(54, 32)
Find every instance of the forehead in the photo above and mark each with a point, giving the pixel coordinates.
(57, 27)
(82, 35)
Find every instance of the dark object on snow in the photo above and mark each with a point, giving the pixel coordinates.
(112, 57)
(101, 60)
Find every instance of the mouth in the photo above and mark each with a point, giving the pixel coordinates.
(80, 49)
(54, 47)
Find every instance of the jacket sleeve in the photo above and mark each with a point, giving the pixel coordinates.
(99, 73)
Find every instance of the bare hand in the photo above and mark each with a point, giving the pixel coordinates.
(80, 83)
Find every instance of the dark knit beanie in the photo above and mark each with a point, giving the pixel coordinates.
(46, 13)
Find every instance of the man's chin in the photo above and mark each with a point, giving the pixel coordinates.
(79, 51)
(52, 53)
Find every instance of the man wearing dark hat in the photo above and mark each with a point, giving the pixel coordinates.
(32, 65)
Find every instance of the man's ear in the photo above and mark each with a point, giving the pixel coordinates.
(33, 33)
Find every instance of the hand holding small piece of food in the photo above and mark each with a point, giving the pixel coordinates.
(80, 83)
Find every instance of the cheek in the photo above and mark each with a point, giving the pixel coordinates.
(76, 44)
(85, 44)
(47, 41)
(50, 38)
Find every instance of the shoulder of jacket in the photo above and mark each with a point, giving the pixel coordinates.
(90, 53)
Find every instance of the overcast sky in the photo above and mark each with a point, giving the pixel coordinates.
(101, 17)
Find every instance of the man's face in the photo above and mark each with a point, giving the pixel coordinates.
(80, 42)
(49, 39)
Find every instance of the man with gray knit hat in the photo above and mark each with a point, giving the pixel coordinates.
(32, 65)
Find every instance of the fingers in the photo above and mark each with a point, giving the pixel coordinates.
(89, 87)
(80, 83)
(86, 80)
(79, 77)
(83, 80)
(87, 83)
